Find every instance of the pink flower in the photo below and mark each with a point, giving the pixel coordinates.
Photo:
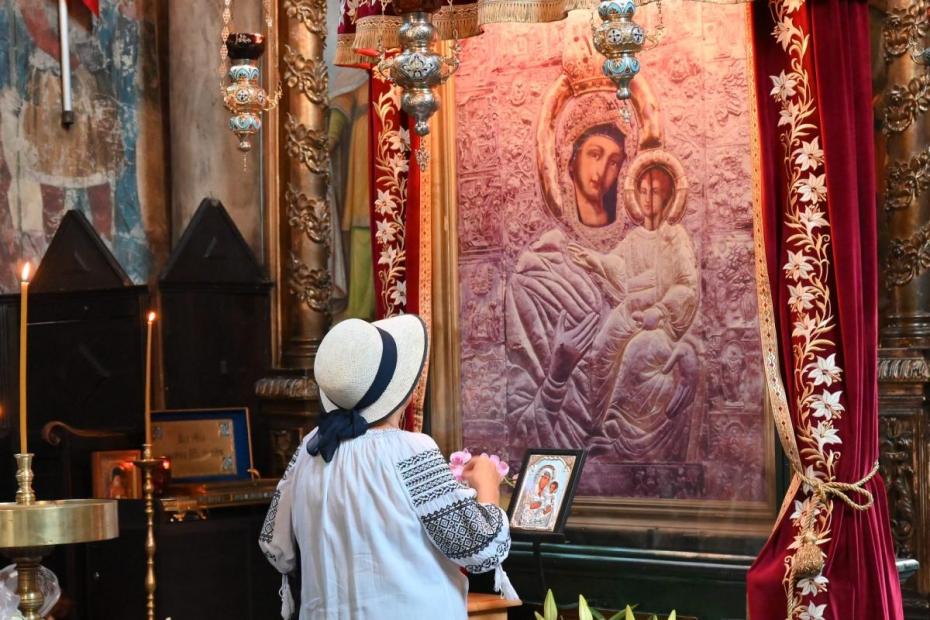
(459, 458)
(502, 467)
(457, 462)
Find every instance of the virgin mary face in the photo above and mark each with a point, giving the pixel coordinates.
(597, 167)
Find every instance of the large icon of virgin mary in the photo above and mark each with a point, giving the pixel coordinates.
(600, 306)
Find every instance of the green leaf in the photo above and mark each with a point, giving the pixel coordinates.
(617, 616)
(549, 609)
(538, 617)
(597, 615)
(583, 612)
(672, 615)
(629, 613)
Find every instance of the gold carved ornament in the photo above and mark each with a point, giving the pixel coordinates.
(306, 209)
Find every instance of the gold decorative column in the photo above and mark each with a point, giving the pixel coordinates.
(902, 96)
(299, 226)
(904, 177)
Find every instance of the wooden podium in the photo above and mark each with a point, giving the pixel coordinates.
(489, 606)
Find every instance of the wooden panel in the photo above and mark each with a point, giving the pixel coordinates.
(77, 260)
(212, 251)
(215, 319)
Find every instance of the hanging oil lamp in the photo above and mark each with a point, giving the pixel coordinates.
(619, 38)
(243, 95)
(418, 69)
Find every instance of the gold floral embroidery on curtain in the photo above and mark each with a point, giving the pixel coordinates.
(811, 446)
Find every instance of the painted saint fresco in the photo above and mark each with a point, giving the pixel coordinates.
(606, 257)
(46, 169)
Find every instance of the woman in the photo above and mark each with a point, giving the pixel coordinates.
(381, 525)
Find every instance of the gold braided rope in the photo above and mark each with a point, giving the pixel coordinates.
(808, 560)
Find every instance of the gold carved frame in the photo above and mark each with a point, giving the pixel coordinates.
(727, 518)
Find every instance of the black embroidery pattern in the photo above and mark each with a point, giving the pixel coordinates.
(267, 533)
(427, 476)
(464, 528)
(500, 554)
(293, 462)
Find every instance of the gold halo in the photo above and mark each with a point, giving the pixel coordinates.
(656, 158)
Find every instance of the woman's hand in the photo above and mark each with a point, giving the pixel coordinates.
(481, 474)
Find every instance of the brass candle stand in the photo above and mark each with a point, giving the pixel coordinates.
(30, 529)
(146, 464)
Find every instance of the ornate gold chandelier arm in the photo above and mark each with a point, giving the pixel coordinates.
(272, 102)
(450, 63)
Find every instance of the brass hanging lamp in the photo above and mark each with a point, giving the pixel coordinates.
(619, 38)
(243, 95)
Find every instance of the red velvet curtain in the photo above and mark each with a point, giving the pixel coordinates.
(400, 231)
(813, 79)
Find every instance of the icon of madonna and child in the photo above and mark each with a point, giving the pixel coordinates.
(600, 306)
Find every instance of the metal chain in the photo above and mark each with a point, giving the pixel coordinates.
(660, 27)
(224, 36)
(455, 30)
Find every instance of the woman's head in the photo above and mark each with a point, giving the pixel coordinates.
(594, 167)
(371, 368)
(366, 372)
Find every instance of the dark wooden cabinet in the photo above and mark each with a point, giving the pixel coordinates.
(204, 569)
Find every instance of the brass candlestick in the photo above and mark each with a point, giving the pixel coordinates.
(146, 464)
(24, 493)
(30, 529)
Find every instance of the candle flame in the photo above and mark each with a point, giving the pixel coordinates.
(151, 317)
(25, 275)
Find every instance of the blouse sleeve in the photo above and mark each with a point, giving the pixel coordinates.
(475, 536)
(277, 540)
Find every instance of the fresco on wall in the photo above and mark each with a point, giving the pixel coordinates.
(96, 165)
(606, 261)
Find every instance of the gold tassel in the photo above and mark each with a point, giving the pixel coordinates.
(808, 559)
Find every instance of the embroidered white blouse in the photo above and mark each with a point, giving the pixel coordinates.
(382, 531)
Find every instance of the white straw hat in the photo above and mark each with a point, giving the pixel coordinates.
(356, 355)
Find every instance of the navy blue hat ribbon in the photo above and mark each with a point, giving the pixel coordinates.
(340, 424)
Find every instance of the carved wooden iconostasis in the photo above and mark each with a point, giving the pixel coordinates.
(664, 387)
(899, 82)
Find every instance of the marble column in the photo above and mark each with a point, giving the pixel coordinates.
(204, 158)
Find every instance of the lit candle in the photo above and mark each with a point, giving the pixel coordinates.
(23, 322)
(148, 380)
